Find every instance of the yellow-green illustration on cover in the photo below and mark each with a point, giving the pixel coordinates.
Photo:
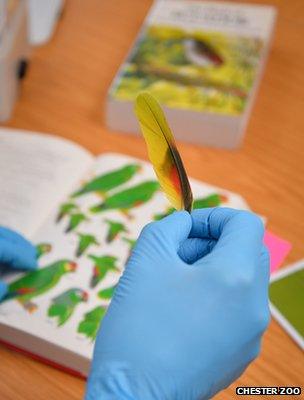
(202, 71)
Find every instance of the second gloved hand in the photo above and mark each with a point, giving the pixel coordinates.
(189, 311)
(16, 253)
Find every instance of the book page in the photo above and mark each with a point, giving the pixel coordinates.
(88, 240)
(37, 171)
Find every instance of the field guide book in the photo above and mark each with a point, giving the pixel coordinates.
(84, 213)
(202, 60)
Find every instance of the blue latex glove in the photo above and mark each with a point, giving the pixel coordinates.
(185, 330)
(15, 252)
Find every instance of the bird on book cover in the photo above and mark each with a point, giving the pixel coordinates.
(91, 322)
(129, 198)
(106, 293)
(102, 265)
(38, 282)
(202, 53)
(85, 242)
(103, 183)
(63, 305)
(75, 220)
(42, 249)
(163, 153)
(213, 200)
(66, 209)
(114, 229)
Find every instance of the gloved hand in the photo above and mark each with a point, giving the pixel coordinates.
(189, 311)
(15, 252)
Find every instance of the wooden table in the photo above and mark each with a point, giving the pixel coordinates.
(65, 93)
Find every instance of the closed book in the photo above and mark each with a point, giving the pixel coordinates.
(202, 61)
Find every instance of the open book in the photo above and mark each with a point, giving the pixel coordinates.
(84, 213)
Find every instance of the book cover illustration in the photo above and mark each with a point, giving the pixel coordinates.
(286, 294)
(81, 258)
(191, 69)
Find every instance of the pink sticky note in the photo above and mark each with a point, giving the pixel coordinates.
(278, 249)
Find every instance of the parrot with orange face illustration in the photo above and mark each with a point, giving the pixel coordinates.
(91, 322)
(42, 249)
(65, 210)
(107, 293)
(63, 306)
(75, 220)
(114, 229)
(103, 183)
(102, 265)
(38, 282)
(85, 241)
(128, 198)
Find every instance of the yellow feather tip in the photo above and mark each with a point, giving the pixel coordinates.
(163, 152)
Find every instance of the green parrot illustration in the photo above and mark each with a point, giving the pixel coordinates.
(114, 229)
(38, 282)
(75, 221)
(128, 198)
(103, 183)
(213, 200)
(91, 321)
(131, 243)
(85, 241)
(63, 306)
(106, 293)
(43, 248)
(102, 265)
(66, 209)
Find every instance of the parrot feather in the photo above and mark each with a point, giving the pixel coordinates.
(163, 153)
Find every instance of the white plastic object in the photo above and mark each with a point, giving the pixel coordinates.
(43, 16)
(14, 55)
